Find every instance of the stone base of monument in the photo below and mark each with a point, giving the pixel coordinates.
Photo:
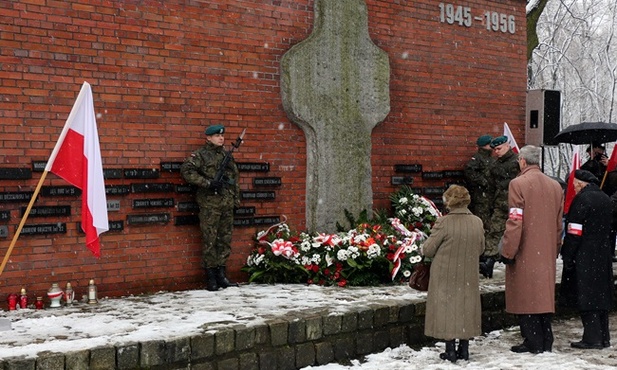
(5, 324)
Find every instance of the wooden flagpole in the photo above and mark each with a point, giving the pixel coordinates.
(23, 220)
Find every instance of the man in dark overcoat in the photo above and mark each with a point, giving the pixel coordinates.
(587, 278)
(530, 248)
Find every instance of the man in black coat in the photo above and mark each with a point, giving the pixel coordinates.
(587, 278)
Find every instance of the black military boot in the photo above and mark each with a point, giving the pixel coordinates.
(450, 353)
(221, 279)
(486, 267)
(212, 285)
(462, 353)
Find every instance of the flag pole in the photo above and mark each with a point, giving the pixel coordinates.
(23, 221)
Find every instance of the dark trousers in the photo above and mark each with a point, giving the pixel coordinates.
(537, 331)
(595, 327)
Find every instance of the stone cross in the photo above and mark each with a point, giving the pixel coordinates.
(335, 86)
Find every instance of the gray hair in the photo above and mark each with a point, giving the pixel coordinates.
(531, 154)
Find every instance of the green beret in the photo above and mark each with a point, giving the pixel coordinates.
(484, 140)
(215, 129)
(498, 141)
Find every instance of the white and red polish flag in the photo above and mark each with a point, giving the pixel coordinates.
(77, 159)
(570, 193)
(508, 134)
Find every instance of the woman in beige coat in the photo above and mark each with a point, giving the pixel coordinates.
(453, 309)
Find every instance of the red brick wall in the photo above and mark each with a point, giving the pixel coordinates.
(161, 71)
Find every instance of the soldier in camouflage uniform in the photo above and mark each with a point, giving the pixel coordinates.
(503, 170)
(477, 176)
(216, 200)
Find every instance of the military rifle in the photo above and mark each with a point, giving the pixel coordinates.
(220, 177)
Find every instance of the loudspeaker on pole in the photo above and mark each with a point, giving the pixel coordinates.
(543, 115)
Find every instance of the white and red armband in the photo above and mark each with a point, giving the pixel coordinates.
(516, 214)
(575, 229)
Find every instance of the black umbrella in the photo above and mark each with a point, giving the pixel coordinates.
(588, 132)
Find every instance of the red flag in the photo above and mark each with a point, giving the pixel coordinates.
(612, 161)
(77, 159)
(570, 193)
(507, 133)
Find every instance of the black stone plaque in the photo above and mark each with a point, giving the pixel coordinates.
(244, 211)
(16, 196)
(48, 211)
(187, 220)
(438, 202)
(152, 188)
(412, 168)
(57, 228)
(38, 166)
(453, 173)
(185, 188)
(153, 203)
(239, 222)
(60, 191)
(117, 189)
(4, 231)
(144, 219)
(253, 167)
(112, 173)
(141, 173)
(417, 190)
(171, 166)
(434, 191)
(188, 207)
(402, 180)
(266, 220)
(257, 195)
(15, 173)
(267, 181)
(113, 226)
(432, 175)
(113, 205)
(5, 215)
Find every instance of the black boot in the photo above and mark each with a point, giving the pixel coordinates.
(212, 285)
(486, 267)
(462, 353)
(221, 279)
(450, 353)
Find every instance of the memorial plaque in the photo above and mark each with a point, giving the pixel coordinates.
(257, 195)
(117, 189)
(141, 173)
(152, 188)
(432, 175)
(15, 173)
(4, 231)
(412, 168)
(253, 167)
(454, 173)
(153, 203)
(267, 181)
(185, 188)
(187, 220)
(266, 220)
(112, 173)
(47, 211)
(16, 196)
(113, 226)
(5, 215)
(188, 207)
(239, 222)
(171, 166)
(402, 180)
(113, 205)
(434, 191)
(144, 219)
(40, 229)
(438, 202)
(417, 190)
(38, 166)
(60, 191)
(244, 211)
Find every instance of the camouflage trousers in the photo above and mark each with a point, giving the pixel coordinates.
(216, 219)
(495, 231)
(482, 209)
